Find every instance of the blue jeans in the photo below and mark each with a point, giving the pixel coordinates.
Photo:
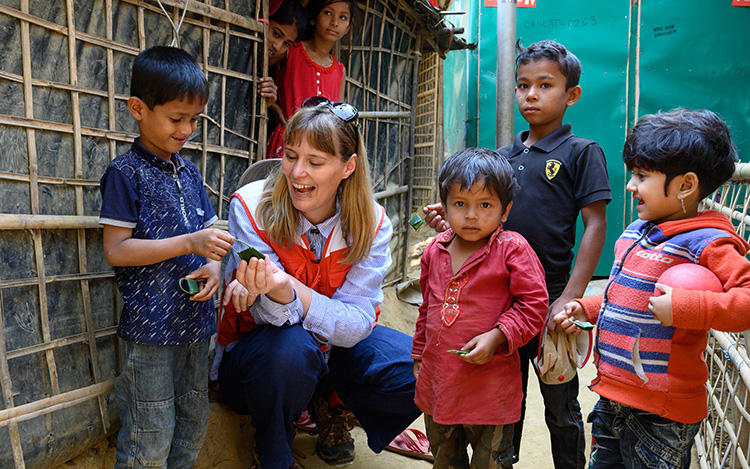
(273, 372)
(562, 412)
(624, 437)
(162, 399)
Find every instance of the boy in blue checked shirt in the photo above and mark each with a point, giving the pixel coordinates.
(157, 229)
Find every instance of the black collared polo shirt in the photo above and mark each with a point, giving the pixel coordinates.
(558, 175)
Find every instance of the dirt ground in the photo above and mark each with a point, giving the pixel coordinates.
(227, 444)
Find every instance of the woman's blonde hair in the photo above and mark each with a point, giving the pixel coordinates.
(328, 133)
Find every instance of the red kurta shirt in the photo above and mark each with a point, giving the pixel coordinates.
(500, 285)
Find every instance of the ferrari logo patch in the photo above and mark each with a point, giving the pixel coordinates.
(551, 168)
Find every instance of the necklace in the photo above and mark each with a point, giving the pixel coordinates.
(324, 60)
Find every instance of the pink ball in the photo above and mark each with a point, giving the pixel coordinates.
(690, 277)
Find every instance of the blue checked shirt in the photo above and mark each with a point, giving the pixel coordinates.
(158, 199)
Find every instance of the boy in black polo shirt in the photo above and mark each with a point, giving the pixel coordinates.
(559, 175)
(157, 229)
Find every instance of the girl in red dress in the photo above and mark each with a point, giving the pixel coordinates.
(310, 69)
(285, 26)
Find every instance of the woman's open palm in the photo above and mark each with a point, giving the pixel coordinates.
(261, 276)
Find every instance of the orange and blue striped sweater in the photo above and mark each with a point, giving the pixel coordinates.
(642, 363)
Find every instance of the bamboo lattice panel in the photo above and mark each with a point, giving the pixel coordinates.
(724, 438)
(64, 82)
(428, 132)
(382, 59)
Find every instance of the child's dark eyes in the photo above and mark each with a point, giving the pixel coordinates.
(486, 205)
(458, 204)
(523, 86)
(546, 85)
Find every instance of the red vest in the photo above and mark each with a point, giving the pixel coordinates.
(324, 276)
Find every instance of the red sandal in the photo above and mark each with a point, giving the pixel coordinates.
(413, 443)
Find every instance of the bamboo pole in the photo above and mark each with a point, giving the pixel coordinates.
(222, 126)
(33, 170)
(262, 130)
(50, 404)
(63, 342)
(81, 234)
(412, 150)
(385, 115)
(35, 124)
(13, 221)
(111, 103)
(141, 29)
(30, 281)
(7, 387)
(205, 9)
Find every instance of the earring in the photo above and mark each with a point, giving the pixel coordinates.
(682, 202)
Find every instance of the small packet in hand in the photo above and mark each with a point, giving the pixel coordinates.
(585, 325)
(248, 252)
(416, 221)
(189, 285)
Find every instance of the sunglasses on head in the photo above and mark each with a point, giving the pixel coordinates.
(344, 111)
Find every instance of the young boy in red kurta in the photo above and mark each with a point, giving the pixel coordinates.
(483, 296)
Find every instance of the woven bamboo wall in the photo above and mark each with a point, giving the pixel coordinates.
(382, 62)
(428, 129)
(724, 437)
(64, 82)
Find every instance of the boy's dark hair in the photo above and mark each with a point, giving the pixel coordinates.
(314, 7)
(163, 74)
(290, 12)
(681, 141)
(471, 165)
(569, 64)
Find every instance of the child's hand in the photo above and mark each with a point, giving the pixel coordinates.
(556, 307)
(562, 322)
(483, 347)
(417, 366)
(211, 243)
(267, 88)
(207, 276)
(435, 217)
(276, 111)
(661, 306)
(239, 296)
(263, 277)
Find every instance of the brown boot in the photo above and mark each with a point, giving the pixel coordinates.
(335, 444)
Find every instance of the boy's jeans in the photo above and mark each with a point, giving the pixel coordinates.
(162, 398)
(630, 438)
